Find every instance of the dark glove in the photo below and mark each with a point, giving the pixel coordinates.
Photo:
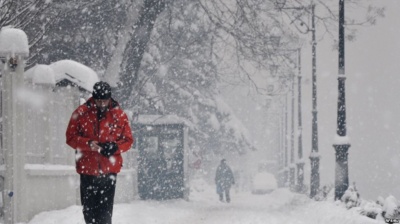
(108, 148)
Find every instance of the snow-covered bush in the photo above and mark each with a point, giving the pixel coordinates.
(380, 201)
(351, 197)
(370, 209)
(381, 209)
(391, 209)
(323, 193)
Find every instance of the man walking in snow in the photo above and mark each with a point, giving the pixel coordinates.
(99, 131)
(224, 180)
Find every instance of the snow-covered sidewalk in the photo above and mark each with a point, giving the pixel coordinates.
(281, 206)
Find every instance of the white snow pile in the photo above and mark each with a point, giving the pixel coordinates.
(13, 42)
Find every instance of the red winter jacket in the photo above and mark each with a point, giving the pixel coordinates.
(85, 126)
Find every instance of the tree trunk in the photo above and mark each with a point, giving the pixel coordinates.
(135, 48)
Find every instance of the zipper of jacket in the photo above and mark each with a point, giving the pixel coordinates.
(98, 154)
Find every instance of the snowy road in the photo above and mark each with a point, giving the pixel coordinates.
(278, 207)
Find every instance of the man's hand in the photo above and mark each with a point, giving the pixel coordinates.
(95, 146)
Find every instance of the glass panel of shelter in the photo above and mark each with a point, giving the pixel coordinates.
(161, 163)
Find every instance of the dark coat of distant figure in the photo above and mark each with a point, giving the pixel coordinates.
(224, 179)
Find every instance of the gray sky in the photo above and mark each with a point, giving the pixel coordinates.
(373, 106)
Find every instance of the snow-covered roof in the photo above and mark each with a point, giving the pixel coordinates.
(75, 72)
(41, 74)
(13, 42)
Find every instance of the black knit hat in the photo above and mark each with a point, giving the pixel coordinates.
(101, 90)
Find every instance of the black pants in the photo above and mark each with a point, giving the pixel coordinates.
(97, 198)
(225, 190)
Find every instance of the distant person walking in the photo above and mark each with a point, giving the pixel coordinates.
(99, 131)
(224, 180)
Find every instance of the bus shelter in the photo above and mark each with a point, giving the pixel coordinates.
(161, 141)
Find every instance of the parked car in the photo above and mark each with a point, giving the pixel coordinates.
(263, 183)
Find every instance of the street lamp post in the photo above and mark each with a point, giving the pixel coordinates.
(341, 147)
(283, 146)
(286, 174)
(282, 175)
(292, 168)
(300, 162)
(314, 156)
(281, 154)
(286, 168)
